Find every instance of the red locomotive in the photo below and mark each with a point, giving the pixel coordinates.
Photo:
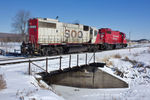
(111, 39)
(49, 36)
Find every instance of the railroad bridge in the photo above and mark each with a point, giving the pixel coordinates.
(77, 70)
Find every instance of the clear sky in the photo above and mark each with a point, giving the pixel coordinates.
(123, 15)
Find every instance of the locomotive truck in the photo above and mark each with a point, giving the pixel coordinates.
(49, 36)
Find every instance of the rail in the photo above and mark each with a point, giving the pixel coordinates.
(26, 61)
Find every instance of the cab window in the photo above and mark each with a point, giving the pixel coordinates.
(109, 32)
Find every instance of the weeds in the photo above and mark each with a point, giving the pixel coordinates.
(118, 72)
(117, 56)
(2, 82)
(109, 63)
(131, 61)
(26, 94)
(105, 59)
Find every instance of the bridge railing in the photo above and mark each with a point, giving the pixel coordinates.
(60, 62)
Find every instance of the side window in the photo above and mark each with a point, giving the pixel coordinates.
(86, 28)
(99, 32)
(95, 33)
(47, 25)
(123, 35)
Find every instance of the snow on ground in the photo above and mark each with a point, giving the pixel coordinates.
(135, 66)
(10, 46)
(133, 63)
(132, 44)
(21, 86)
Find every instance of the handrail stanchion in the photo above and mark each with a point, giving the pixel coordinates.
(77, 60)
(86, 59)
(46, 65)
(60, 63)
(94, 57)
(29, 67)
(70, 61)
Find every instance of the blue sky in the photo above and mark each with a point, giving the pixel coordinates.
(123, 15)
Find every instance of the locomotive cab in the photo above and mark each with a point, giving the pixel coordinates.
(124, 41)
(93, 34)
(109, 39)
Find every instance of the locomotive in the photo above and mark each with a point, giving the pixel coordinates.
(49, 36)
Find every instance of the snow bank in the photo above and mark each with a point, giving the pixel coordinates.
(21, 86)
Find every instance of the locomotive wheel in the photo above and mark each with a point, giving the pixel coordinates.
(110, 46)
(65, 50)
(103, 47)
(93, 48)
(53, 51)
(45, 52)
(42, 52)
(114, 46)
(59, 50)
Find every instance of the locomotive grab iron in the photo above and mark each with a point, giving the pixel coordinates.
(49, 36)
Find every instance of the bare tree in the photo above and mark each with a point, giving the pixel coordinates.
(20, 21)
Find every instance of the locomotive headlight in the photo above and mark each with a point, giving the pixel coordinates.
(102, 36)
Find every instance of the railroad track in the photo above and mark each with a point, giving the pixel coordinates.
(26, 59)
(7, 59)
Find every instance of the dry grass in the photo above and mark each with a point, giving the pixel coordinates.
(129, 60)
(119, 73)
(116, 56)
(126, 58)
(109, 63)
(2, 83)
(24, 93)
(105, 59)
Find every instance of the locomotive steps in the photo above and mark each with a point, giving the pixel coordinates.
(84, 76)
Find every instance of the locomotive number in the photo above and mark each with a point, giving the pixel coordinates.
(73, 34)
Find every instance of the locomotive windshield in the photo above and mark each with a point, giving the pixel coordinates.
(109, 32)
(123, 35)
